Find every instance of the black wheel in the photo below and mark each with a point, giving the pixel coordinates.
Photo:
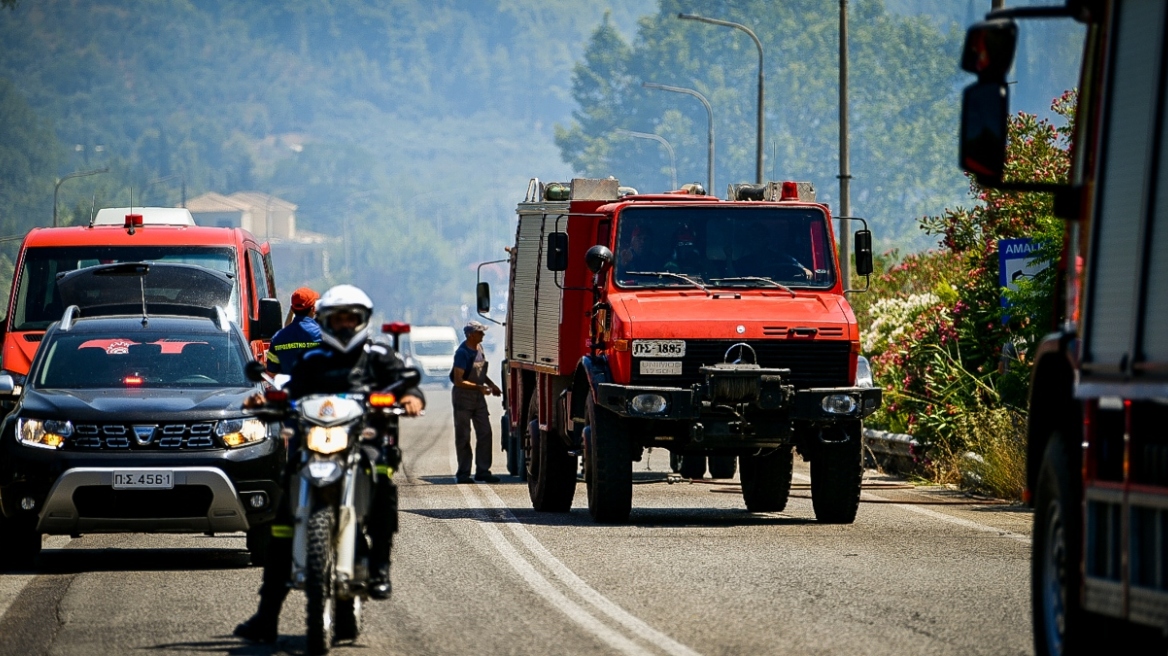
(350, 621)
(20, 543)
(766, 479)
(258, 539)
(836, 474)
(318, 583)
(723, 466)
(551, 472)
(692, 466)
(609, 472)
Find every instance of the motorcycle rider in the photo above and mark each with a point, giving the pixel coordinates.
(349, 358)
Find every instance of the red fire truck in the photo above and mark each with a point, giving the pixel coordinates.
(681, 321)
(1097, 468)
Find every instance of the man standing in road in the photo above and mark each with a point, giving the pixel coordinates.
(468, 396)
(302, 334)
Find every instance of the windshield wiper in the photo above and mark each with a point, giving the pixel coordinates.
(679, 276)
(758, 279)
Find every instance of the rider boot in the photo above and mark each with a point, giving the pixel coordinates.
(262, 627)
(381, 532)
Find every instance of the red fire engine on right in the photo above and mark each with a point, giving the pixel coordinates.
(1098, 443)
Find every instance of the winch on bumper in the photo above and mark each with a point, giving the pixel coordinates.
(740, 400)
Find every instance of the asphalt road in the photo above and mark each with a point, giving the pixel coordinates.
(476, 571)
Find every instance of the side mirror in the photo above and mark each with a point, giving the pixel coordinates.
(271, 318)
(598, 259)
(483, 297)
(557, 251)
(984, 108)
(989, 49)
(253, 370)
(863, 252)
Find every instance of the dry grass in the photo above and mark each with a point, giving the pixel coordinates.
(987, 456)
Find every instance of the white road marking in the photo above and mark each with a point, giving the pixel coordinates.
(927, 512)
(568, 578)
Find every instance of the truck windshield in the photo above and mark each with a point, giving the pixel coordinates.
(38, 303)
(148, 359)
(724, 246)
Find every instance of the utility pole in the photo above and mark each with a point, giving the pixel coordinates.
(845, 174)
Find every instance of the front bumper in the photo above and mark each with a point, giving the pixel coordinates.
(689, 404)
(72, 492)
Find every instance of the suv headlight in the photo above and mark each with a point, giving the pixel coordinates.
(43, 433)
(241, 432)
(327, 440)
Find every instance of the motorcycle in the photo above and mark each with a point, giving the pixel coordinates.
(331, 494)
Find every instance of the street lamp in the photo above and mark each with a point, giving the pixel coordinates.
(75, 174)
(757, 43)
(171, 177)
(660, 139)
(710, 131)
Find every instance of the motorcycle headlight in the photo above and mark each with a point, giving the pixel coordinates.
(327, 440)
(43, 433)
(241, 432)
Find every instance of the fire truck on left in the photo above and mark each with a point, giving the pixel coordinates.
(140, 234)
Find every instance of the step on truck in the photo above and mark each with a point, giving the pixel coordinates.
(711, 328)
(1097, 449)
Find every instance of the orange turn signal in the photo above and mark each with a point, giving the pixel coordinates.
(382, 399)
(620, 344)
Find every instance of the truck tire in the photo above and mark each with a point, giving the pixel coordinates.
(318, 584)
(766, 480)
(723, 466)
(551, 472)
(609, 467)
(693, 466)
(836, 474)
(508, 442)
(1061, 626)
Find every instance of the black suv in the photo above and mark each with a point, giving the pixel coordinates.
(132, 420)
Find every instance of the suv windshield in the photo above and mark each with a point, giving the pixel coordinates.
(723, 246)
(142, 358)
(38, 304)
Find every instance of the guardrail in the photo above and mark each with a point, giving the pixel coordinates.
(892, 451)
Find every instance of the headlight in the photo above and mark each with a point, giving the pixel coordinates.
(839, 404)
(43, 433)
(863, 372)
(239, 432)
(648, 404)
(327, 440)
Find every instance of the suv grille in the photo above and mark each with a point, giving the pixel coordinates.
(144, 437)
(812, 364)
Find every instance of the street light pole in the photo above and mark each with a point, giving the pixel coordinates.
(660, 139)
(845, 174)
(758, 44)
(710, 131)
(75, 174)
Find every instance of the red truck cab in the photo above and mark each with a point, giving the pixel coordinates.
(708, 327)
(158, 234)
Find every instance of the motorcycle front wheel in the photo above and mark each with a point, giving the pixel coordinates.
(319, 579)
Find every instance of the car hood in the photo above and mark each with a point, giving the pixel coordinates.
(122, 405)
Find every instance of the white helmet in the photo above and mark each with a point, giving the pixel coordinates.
(339, 300)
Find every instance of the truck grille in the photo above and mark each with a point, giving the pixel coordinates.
(143, 437)
(812, 364)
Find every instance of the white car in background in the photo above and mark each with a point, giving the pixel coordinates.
(431, 349)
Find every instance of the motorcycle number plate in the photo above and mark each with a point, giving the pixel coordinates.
(143, 479)
(658, 348)
(661, 368)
